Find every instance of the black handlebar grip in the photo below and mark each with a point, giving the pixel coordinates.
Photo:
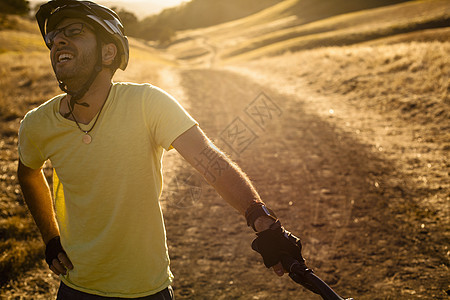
(301, 274)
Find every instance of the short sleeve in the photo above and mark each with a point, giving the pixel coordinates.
(167, 118)
(29, 153)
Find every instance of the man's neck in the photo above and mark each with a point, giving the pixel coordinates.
(93, 99)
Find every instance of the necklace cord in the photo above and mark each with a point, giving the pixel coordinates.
(96, 119)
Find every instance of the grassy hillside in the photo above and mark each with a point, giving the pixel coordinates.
(26, 79)
(15, 22)
(288, 14)
(204, 13)
(19, 34)
(348, 29)
(193, 14)
(283, 27)
(12, 40)
(409, 79)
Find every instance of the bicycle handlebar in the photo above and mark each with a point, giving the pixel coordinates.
(301, 274)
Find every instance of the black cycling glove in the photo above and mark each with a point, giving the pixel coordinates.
(276, 242)
(52, 250)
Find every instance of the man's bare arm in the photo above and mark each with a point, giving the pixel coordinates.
(226, 177)
(38, 198)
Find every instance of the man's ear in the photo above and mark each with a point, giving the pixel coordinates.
(109, 52)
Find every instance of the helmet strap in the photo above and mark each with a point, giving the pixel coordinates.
(77, 95)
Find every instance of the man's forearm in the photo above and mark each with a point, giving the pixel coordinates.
(232, 184)
(225, 176)
(39, 200)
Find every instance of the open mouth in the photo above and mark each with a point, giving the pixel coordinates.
(64, 57)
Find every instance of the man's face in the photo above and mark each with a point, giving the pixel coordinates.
(73, 58)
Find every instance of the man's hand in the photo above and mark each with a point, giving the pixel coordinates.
(56, 257)
(264, 223)
(275, 242)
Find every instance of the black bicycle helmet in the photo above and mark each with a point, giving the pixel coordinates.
(103, 19)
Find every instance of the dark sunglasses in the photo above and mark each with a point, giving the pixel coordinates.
(69, 31)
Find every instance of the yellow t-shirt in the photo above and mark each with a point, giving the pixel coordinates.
(108, 206)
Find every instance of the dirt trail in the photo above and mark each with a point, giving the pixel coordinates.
(334, 188)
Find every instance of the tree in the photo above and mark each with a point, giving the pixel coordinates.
(161, 33)
(18, 7)
(129, 20)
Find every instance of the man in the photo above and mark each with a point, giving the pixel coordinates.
(105, 141)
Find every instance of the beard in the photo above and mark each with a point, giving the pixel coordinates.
(76, 72)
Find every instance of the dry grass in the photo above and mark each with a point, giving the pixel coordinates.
(428, 35)
(26, 80)
(409, 79)
(11, 40)
(141, 50)
(20, 247)
(345, 29)
(282, 28)
(19, 34)
(13, 22)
